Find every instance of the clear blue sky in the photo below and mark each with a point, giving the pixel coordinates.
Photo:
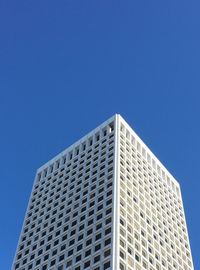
(66, 66)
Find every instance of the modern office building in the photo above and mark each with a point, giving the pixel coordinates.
(104, 203)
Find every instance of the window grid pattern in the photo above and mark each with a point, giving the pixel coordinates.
(93, 192)
(153, 232)
(68, 224)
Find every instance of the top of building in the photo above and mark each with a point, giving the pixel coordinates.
(140, 145)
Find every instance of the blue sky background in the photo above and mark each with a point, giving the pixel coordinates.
(66, 66)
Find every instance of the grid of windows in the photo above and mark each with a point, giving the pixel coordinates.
(105, 203)
(68, 224)
(152, 233)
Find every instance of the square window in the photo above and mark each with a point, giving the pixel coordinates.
(86, 264)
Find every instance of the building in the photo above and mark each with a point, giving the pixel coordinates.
(106, 202)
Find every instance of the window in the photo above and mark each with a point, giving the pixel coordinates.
(88, 242)
(97, 247)
(122, 254)
(137, 257)
(107, 241)
(106, 265)
(53, 263)
(98, 236)
(86, 264)
(97, 259)
(70, 252)
(61, 257)
(79, 247)
(122, 266)
(78, 258)
(88, 252)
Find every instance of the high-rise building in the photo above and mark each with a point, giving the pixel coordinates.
(104, 203)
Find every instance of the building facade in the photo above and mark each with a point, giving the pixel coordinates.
(104, 203)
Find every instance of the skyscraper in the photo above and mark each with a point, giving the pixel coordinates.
(106, 202)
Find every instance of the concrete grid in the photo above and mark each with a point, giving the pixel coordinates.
(106, 202)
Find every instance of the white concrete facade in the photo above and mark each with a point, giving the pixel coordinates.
(152, 232)
(104, 203)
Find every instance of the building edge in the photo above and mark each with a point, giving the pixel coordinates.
(115, 257)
